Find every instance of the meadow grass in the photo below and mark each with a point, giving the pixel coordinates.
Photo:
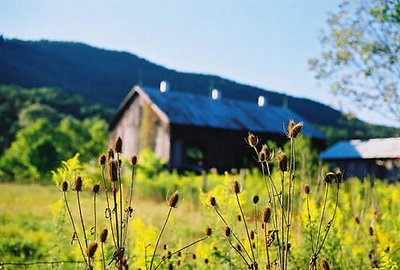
(31, 230)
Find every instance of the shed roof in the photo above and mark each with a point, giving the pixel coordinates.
(363, 149)
(184, 108)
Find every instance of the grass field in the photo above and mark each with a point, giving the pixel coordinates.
(34, 226)
(365, 234)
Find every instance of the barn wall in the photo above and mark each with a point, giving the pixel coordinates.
(385, 169)
(128, 128)
(140, 128)
(223, 149)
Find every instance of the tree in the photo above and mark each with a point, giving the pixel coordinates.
(361, 54)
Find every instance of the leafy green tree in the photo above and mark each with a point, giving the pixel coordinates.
(42, 145)
(35, 111)
(33, 153)
(20, 107)
(361, 54)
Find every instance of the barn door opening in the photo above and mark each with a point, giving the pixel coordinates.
(194, 157)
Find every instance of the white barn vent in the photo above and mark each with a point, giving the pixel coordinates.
(215, 94)
(164, 86)
(261, 101)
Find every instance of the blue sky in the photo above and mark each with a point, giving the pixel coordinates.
(264, 43)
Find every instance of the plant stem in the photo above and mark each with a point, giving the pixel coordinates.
(129, 204)
(183, 248)
(266, 246)
(247, 230)
(290, 196)
(309, 223)
(108, 210)
(159, 237)
(120, 201)
(275, 209)
(233, 233)
(102, 254)
(283, 221)
(330, 223)
(74, 227)
(95, 216)
(322, 215)
(116, 212)
(241, 255)
(255, 223)
(81, 218)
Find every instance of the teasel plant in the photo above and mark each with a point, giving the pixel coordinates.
(318, 242)
(118, 211)
(172, 202)
(87, 250)
(246, 254)
(280, 197)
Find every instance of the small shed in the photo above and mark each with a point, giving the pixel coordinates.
(360, 158)
(191, 131)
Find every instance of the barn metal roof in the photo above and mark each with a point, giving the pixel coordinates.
(184, 108)
(198, 110)
(363, 149)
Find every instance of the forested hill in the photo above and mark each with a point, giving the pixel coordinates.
(106, 76)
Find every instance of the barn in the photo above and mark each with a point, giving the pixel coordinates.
(360, 158)
(191, 131)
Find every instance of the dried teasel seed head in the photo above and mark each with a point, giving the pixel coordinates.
(78, 183)
(194, 256)
(306, 189)
(133, 160)
(294, 129)
(266, 214)
(208, 231)
(112, 171)
(170, 266)
(96, 188)
(103, 235)
(64, 186)
(357, 220)
(91, 249)
(239, 218)
(282, 161)
(179, 254)
(102, 159)
(330, 178)
(264, 154)
(339, 176)
(291, 124)
(227, 231)
(324, 265)
(178, 262)
(206, 261)
(173, 199)
(118, 145)
(213, 201)
(235, 187)
(252, 235)
(110, 155)
(252, 140)
(370, 231)
(239, 247)
(256, 199)
(165, 247)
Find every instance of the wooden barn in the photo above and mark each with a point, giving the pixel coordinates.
(190, 131)
(361, 158)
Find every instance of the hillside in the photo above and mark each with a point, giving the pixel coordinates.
(105, 77)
